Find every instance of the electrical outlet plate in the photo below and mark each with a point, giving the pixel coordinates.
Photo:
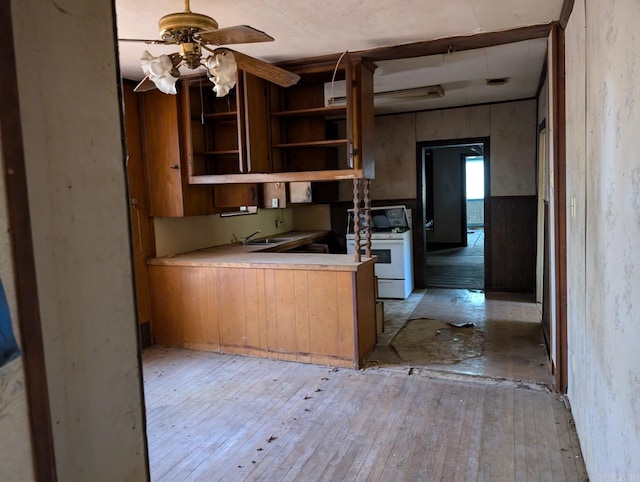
(275, 202)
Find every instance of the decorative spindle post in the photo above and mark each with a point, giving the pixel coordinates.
(356, 217)
(367, 217)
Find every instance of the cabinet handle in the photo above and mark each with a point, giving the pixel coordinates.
(351, 153)
(175, 166)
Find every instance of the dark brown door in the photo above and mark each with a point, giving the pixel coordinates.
(143, 245)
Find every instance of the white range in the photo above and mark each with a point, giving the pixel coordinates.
(391, 243)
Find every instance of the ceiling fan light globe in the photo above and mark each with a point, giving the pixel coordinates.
(223, 89)
(222, 70)
(155, 66)
(161, 71)
(166, 84)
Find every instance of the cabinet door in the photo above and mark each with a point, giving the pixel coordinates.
(161, 147)
(236, 195)
(274, 195)
(313, 192)
(225, 135)
(255, 124)
(169, 191)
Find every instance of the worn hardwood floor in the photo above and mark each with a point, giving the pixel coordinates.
(458, 267)
(223, 417)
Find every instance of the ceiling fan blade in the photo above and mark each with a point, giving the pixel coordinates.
(146, 41)
(145, 85)
(261, 69)
(240, 34)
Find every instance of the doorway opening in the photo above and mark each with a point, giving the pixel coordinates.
(454, 195)
(455, 326)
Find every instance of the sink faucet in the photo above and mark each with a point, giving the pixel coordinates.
(248, 238)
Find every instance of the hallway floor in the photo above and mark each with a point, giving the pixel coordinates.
(512, 346)
(458, 267)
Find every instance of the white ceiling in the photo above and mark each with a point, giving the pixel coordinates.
(307, 28)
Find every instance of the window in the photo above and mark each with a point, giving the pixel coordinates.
(475, 177)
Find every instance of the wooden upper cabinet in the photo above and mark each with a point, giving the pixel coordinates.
(319, 134)
(225, 135)
(170, 193)
(285, 134)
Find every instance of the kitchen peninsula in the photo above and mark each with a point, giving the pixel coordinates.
(268, 299)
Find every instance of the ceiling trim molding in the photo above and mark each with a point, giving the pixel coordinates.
(478, 104)
(565, 14)
(457, 44)
(431, 47)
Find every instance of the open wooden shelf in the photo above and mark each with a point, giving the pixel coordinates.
(325, 143)
(313, 111)
(228, 152)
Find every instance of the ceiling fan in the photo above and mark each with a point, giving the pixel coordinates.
(194, 33)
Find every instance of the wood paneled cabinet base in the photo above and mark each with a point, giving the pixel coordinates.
(324, 317)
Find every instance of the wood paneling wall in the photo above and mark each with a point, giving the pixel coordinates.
(322, 317)
(513, 244)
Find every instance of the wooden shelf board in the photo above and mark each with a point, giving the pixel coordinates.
(335, 175)
(229, 152)
(313, 111)
(232, 116)
(326, 143)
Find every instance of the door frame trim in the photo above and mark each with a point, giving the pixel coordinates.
(560, 212)
(420, 245)
(26, 285)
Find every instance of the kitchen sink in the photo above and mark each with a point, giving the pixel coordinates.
(265, 241)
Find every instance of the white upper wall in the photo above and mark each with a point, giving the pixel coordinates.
(603, 253)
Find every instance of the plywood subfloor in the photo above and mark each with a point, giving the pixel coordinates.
(223, 417)
(512, 343)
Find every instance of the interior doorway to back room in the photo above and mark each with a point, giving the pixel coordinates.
(454, 194)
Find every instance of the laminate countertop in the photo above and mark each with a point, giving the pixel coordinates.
(275, 255)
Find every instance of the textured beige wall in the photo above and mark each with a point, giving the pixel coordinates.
(395, 158)
(458, 123)
(76, 178)
(603, 253)
(179, 235)
(511, 127)
(513, 149)
(311, 218)
(15, 443)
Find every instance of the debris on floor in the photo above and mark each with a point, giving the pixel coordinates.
(425, 341)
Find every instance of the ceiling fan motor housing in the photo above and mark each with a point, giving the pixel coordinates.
(180, 27)
(191, 53)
